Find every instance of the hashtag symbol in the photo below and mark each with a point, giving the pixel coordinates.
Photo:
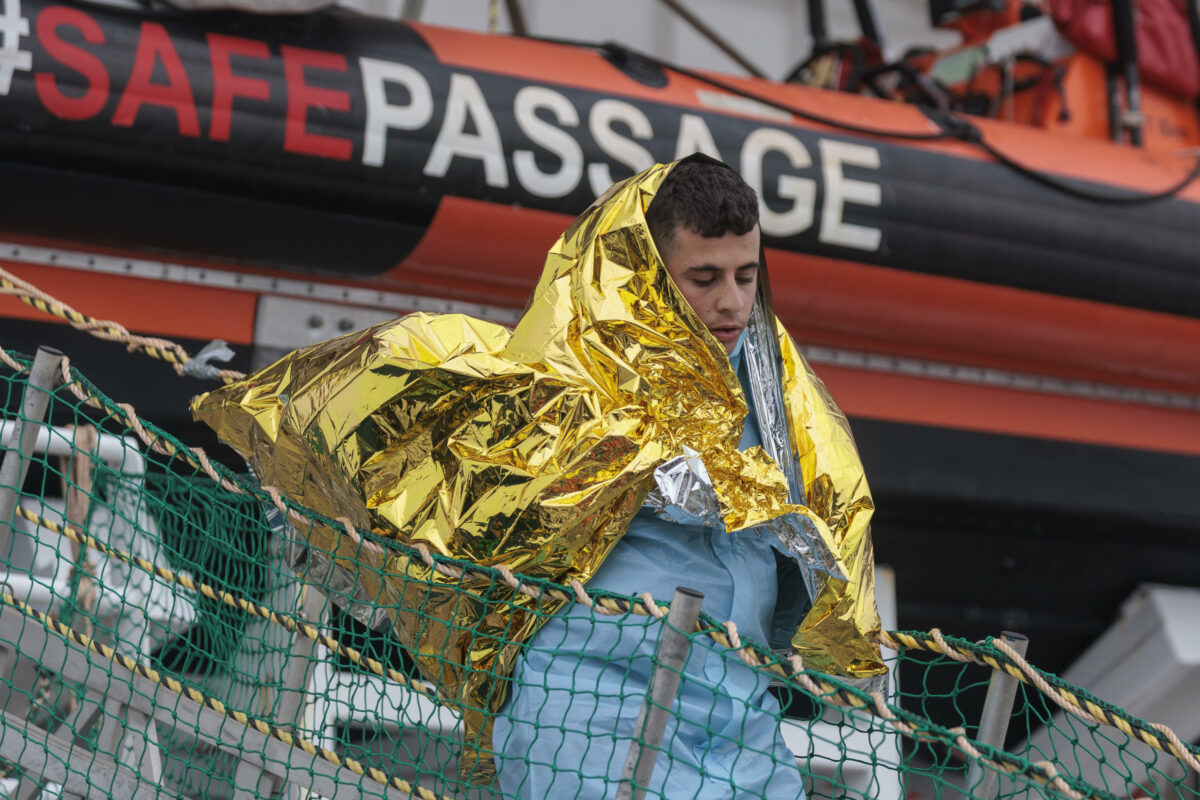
(12, 27)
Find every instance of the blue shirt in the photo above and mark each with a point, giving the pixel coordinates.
(579, 685)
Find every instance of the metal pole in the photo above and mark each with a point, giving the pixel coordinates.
(516, 16)
(413, 9)
(43, 377)
(866, 22)
(816, 24)
(673, 646)
(1127, 58)
(1193, 15)
(714, 37)
(1112, 87)
(993, 722)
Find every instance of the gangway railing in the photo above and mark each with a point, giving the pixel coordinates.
(272, 722)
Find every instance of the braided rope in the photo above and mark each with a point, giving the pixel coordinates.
(157, 348)
(1043, 772)
(726, 635)
(293, 624)
(280, 734)
(1153, 734)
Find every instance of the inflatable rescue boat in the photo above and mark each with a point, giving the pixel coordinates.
(1006, 303)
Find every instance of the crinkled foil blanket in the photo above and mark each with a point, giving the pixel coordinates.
(533, 448)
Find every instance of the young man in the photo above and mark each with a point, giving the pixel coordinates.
(579, 687)
(646, 425)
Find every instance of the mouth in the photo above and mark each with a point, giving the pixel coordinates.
(726, 333)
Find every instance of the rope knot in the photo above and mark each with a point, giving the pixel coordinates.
(198, 366)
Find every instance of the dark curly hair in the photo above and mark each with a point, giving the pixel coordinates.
(706, 197)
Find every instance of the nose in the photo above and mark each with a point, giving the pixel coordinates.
(730, 299)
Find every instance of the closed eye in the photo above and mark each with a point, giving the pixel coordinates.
(706, 276)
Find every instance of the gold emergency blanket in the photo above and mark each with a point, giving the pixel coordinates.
(534, 448)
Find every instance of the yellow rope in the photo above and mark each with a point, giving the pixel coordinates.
(1154, 734)
(280, 734)
(294, 625)
(1043, 771)
(109, 331)
(725, 636)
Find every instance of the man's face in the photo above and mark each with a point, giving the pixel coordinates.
(718, 277)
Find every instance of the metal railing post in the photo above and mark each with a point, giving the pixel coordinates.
(993, 722)
(43, 378)
(673, 647)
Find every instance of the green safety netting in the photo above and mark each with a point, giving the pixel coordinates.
(166, 635)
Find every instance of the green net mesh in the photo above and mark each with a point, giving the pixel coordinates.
(164, 635)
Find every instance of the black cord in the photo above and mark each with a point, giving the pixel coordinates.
(621, 50)
(950, 126)
(966, 131)
(1124, 199)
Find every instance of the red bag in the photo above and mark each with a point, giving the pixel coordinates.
(1166, 56)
